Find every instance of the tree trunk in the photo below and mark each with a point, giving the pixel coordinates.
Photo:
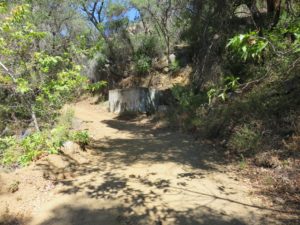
(274, 10)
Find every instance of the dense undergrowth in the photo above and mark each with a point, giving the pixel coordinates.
(16, 151)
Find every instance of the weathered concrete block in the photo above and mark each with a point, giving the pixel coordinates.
(143, 100)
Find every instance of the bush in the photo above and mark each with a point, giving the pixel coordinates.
(8, 155)
(230, 84)
(150, 46)
(80, 137)
(186, 97)
(244, 139)
(175, 66)
(143, 64)
(97, 87)
(39, 143)
(212, 123)
(48, 141)
(187, 103)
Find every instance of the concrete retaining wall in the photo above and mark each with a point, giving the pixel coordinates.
(143, 100)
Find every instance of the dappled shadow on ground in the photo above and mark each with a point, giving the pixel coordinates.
(70, 215)
(143, 196)
(161, 148)
(8, 219)
(156, 145)
(142, 204)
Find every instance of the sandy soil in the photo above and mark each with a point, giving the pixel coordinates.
(134, 172)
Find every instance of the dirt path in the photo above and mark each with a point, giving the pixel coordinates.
(132, 174)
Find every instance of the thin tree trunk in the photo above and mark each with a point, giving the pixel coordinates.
(34, 119)
(274, 11)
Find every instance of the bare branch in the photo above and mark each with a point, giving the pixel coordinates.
(8, 72)
(295, 63)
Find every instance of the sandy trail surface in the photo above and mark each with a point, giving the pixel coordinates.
(133, 172)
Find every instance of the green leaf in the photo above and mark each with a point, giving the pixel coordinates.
(22, 86)
(222, 96)
(242, 37)
(244, 48)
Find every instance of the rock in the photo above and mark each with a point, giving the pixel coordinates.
(73, 151)
(61, 176)
(279, 200)
(14, 187)
(57, 161)
(70, 148)
(172, 58)
(166, 70)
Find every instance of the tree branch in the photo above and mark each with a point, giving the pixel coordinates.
(8, 72)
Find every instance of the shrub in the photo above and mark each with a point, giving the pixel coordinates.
(150, 46)
(80, 137)
(230, 84)
(187, 102)
(248, 46)
(48, 141)
(186, 97)
(175, 66)
(143, 64)
(244, 139)
(6, 143)
(211, 123)
(8, 153)
(32, 147)
(97, 87)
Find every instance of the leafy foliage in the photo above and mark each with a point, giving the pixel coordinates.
(248, 46)
(34, 82)
(149, 46)
(49, 141)
(143, 64)
(230, 85)
(175, 66)
(80, 137)
(97, 87)
(245, 139)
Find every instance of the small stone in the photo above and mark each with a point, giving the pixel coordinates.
(172, 58)
(279, 200)
(61, 176)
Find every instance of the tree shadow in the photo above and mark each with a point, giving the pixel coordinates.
(156, 145)
(121, 215)
(9, 219)
(140, 197)
(69, 215)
